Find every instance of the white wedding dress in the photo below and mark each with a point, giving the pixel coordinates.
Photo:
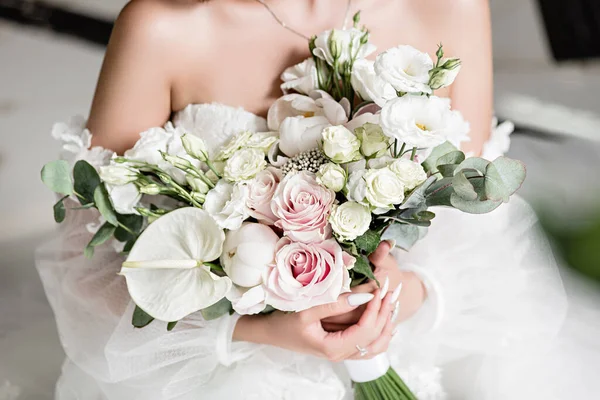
(495, 303)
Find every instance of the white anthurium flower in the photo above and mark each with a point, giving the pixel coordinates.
(342, 44)
(405, 68)
(124, 198)
(369, 85)
(226, 203)
(350, 220)
(301, 119)
(247, 301)
(117, 174)
(419, 121)
(301, 77)
(165, 271)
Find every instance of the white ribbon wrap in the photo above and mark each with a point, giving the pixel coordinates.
(368, 370)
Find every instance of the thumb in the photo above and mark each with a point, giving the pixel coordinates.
(345, 303)
(381, 252)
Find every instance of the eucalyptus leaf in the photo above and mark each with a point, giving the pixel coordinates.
(474, 207)
(84, 207)
(503, 177)
(368, 242)
(104, 205)
(171, 325)
(88, 252)
(363, 267)
(104, 233)
(425, 216)
(463, 188)
(430, 164)
(140, 318)
(439, 193)
(479, 164)
(59, 210)
(132, 221)
(217, 310)
(86, 181)
(57, 176)
(447, 170)
(417, 199)
(405, 235)
(455, 157)
(129, 245)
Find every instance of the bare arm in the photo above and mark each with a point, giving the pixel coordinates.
(134, 88)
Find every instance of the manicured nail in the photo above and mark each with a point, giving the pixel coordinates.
(396, 311)
(392, 243)
(396, 293)
(358, 299)
(385, 287)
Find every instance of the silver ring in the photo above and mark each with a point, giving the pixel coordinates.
(363, 352)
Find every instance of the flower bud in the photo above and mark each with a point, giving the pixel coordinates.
(197, 184)
(151, 189)
(177, 161)
(373, 143)
(340, 145)
(356, 19)
(445, 75)
(334, 45)
(199, 197)
(195, 147)
(118, 175)
(332, 176)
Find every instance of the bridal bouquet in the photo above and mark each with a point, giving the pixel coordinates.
(359, 151)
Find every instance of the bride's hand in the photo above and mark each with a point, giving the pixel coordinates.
(302, 332)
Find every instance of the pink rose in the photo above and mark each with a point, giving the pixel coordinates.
(260, 193)
(302, 207)
(307, 274)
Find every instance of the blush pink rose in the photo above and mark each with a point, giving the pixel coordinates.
(260, 193)
(306, 275)
(302, 207)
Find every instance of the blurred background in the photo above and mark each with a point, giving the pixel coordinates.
(547, 81)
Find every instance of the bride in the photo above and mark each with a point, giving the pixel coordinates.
(475, 302)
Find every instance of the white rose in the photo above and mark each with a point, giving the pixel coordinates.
(262, 141)
(410, 173)
(446, 75)
(384, 189)
(247, 252)
(405, 68)
(369, 85)
(234, 144)
(301, 77)
(356, 187)
(342, 45)
(195, 147)
(418, 121)
(124, 198)
(244, 164)
(226, 203)
(340, 145)
(332, 176)
(350, 220)
(117, 174)
(373, 143)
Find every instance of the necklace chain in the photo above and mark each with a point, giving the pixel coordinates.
(294, 31)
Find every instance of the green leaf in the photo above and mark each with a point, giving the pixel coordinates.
(431, 162)
(57, 176)
(405, 235)
(217, 310)
(425, 216)
(86, 181)
(59, 210)
(104, 205)
(455, 157)
(417, 222)
(171, 325)
(132, 221)
(129, 245)
(363, 267)
(140, 318)
(439, 193)
(104, 233)
(417, 199)
(463, 188)
(476, 163)
(474, 207)
(447, 170)
(368, 242)
(88, 252)
(84, 207)
(503, 177)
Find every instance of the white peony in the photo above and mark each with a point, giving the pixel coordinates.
(124, 198)
(301, 77)
(410, 173)
(419, 121)
(117, 174)
(383, 189)
(373, 143)
(369, 85)
(342, 45)
(244, 164)
(340, 145)
(226, 203)
(405, 68)
(235, 143)
(332, 176)
(350, 220)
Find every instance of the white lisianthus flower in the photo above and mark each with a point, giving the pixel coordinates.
(340, 145)
(124, 198)
(197, 184)
(369, 85)
(384, 189)
(226, 203)
(117, 174)
(244, 164)
(332, 176)
(356, 187)
(195, 147)
(405, 68)
(450, 67)
(247, 252)
(373, 143)
(350, 220)
(341, 45)
(262, 141)
(301, 77)
(237, 142)
(418, 121)
(410, 173)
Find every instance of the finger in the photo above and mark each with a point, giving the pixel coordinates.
(379, 255)
(379, 345)
(385, 313)
(349, 318)
(334, 327)
(345, 303)
(368, 287)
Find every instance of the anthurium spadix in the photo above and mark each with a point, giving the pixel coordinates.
(165, 271)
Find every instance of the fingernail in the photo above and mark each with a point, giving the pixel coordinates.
(358, 299)
(396, 293)
(392, 243)
(396, 311)
(385, 287)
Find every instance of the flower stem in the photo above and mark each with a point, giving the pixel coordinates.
(412, 155)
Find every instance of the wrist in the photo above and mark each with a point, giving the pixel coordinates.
(251, 328)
